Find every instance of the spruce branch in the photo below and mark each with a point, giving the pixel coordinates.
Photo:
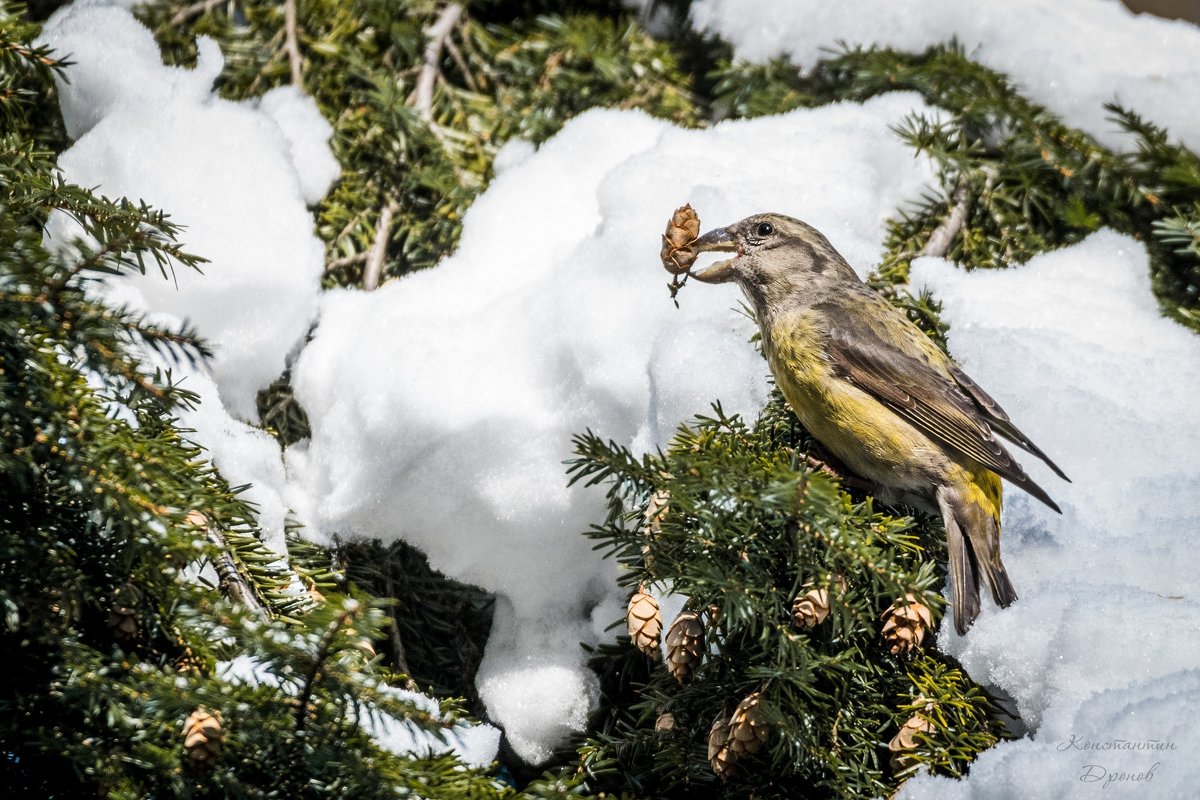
(233, 584)
(351, 609)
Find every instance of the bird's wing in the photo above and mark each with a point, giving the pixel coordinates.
(998, 420)
(888, 362)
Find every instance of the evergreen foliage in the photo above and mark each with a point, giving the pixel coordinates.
(109, 639)
(750, 526)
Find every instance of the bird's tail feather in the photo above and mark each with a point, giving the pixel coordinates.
(973, 539)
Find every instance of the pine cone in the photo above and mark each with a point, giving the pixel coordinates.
(905, 623)
(685, 645)
(656, 509)
(644, 621)
(678, 254)
(720, 756)
(747, 730)
(904, 742)
(665, 722)
(810, 609)
(202, 734)
(125, 615)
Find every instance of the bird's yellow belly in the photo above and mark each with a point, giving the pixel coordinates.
(855, 427)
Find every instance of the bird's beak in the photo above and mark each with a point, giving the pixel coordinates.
(719, 240)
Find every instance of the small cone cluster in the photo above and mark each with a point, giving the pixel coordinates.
(743, 734)
(678, 253)
(202, 734)
(124, 615)
(905, 623)
(904, 742)
(685, 645)
(644, 621)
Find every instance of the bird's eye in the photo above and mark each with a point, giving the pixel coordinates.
(765, 229)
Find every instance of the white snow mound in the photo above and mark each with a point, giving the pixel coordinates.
(1101, 651)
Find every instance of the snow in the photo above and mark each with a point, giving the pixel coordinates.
(1103, 644)
(443, 405)
(1069, 55)
(225, 170)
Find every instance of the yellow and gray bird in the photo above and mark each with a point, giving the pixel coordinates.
(878, 394)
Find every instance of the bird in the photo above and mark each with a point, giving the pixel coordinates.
(878, 394)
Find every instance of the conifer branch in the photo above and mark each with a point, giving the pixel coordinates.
(352, 609)
(233, 585)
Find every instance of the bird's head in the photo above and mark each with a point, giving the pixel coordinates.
(775, 255)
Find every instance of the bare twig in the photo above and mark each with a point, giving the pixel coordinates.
(438, 32)
(193, 10)
(291, 42)
(943, 235)
(345, 261)
(383, 230)
(461, 63)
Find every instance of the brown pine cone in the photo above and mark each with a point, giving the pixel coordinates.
(685, 645)
(678, 254)
(810, 609)
(202, 734)
(904, 742)
(905, 623)
(644, 621)
(747, 730)
(720, 757)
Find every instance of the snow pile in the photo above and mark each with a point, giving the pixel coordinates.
(1070, 55)
(1102, 648)
(237, 176)
(443, 405)
(475, 745)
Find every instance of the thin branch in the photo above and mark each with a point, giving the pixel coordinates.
(233, 585)
(383, 230)
(942, 237)
(353, 608)
(194, 10)
(437, 33)
(460, 62)
(291, 43)
(345, 261)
